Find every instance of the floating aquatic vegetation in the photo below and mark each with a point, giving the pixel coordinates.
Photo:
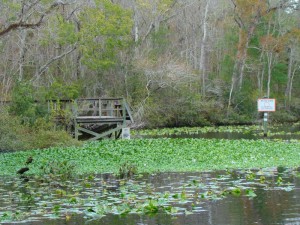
(153, 155)
(279, 131)
(106, 194)
(196, 130)
(127, 170)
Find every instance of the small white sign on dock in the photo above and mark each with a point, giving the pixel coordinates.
(266, 105)
(125, 133)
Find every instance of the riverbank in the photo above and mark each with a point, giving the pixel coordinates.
(154, 155)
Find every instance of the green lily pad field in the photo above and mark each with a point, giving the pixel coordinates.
(155, 155)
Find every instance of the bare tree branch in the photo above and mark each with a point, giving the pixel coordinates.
(45, 67)
(22, 24)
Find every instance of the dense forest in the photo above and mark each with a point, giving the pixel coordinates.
(177, 62)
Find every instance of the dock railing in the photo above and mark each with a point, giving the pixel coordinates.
(100, 108)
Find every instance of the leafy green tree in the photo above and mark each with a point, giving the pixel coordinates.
(104, 30)
(59, 90)
(24, 104)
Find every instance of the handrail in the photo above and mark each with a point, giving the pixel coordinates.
(102, 107)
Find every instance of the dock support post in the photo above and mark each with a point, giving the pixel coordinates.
(265, 124)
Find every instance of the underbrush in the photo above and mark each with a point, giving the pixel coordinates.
(16, 134)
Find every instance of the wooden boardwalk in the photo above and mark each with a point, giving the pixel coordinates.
(91, 118)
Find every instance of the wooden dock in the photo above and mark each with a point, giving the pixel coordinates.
(90, 118)
(101, 117)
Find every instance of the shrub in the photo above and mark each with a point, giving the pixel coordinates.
(283, 116)
(9, 137)
(14, 135)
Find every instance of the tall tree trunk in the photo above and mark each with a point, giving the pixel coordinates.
(202, 65)
(289, 81)
(296, 68)
(260, 75)
(238, 69)
(241, 56)
(23, 35)
(136, 22)
(270, 59)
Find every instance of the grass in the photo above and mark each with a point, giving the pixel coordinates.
(157, 155)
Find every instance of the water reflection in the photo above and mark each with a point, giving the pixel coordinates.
(276, 199)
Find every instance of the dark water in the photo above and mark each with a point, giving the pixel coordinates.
(276, 200)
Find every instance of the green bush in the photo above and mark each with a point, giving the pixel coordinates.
(281, 116)
(14, 135)
(9, 137)
(172, 108)
(24, 103)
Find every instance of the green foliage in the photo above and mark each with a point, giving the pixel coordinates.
(15, 135)
(226, 68)
(246, 100)
(181, 107)
(65, 32)
(283, 116)
(58, 169)
(61, 112)
(9, 136)
(105, 30)
(136, 82)
(196, 130)
(160, 42)
(60, 90)
(279, 74)
(127, 170)
(61, 32)
(28, 124)
(24, 98)
(154, 155)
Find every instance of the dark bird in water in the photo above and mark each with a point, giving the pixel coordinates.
(25, 169)
(29, 160)
(22, 170)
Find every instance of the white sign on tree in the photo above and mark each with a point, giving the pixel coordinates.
(266, 105)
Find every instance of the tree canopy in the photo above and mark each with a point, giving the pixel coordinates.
(176, 62)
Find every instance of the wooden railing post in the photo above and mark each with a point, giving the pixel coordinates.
(124, 111)
(75, 108)
(100, 107)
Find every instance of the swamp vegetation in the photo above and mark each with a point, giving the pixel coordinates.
(157, 155)
(153, 179)
(130, 180)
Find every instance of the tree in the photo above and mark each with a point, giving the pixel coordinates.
(247, 15)
(293, 38)
(105, 30)
(25, 14)
(203, 50)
